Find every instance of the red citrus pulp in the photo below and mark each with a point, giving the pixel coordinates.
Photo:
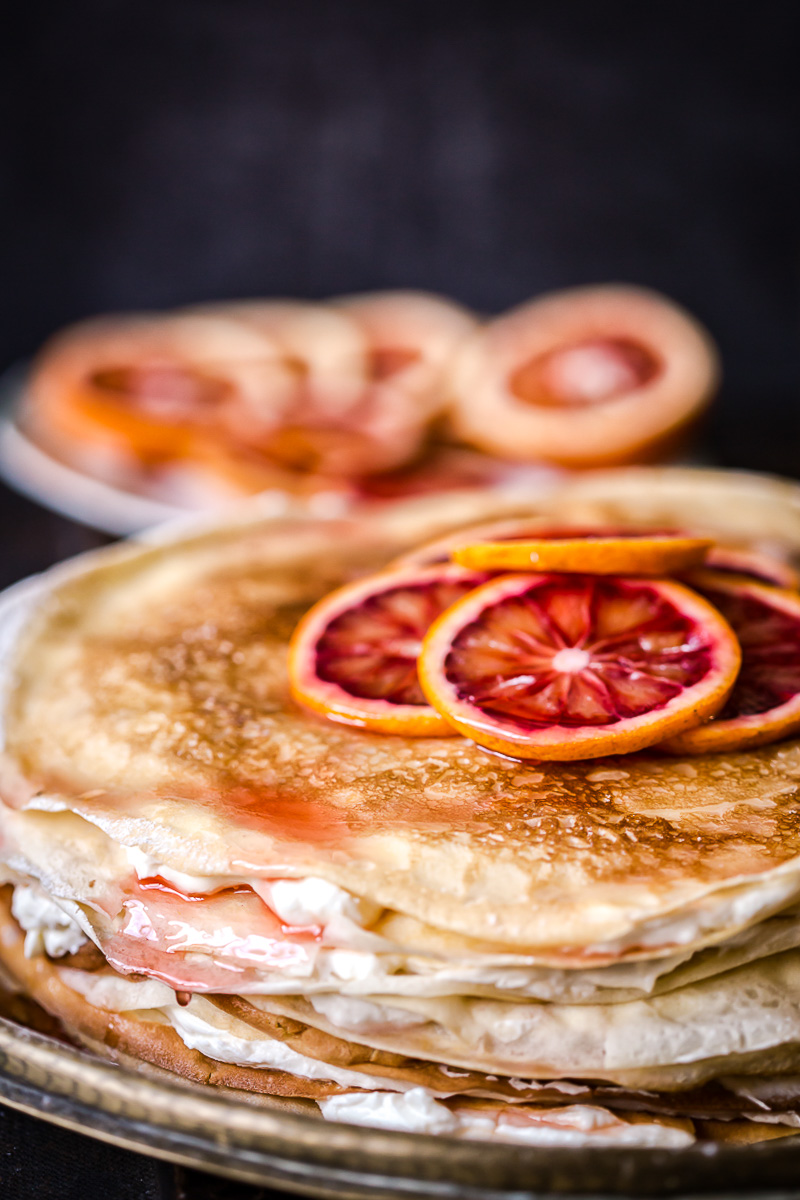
(548, 667)
(353, 657)
(765, 702)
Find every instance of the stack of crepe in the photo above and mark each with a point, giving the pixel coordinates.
(411, 932)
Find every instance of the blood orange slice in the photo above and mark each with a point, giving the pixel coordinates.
(353, 657)
(756, 564)
(343, 418)
(765, 702)
(584, 377)
(540, 666)
(440, 549)
(411, 336)
(764, 568)
(143, 386)
(570, 551)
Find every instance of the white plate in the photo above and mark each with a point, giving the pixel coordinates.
(36, 474)
(119, 511)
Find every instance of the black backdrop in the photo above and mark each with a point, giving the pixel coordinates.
(162, 151)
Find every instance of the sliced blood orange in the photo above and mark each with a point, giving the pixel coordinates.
(340, 418)
(549, 667)
(440, 549)
(570, 551)
(765, 702)
(519, 530)
(353, 657)
(146, 386)
(754, 564)
(411, 336)
(589, 376)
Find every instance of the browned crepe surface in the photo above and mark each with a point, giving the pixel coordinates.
(152, 693)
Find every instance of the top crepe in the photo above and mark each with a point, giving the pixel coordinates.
(149, 695)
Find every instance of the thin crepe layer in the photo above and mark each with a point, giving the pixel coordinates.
(150, 695)
(75, 862)
(744, 1022)
(128, 1036)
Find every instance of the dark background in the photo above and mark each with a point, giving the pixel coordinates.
(156, 153)
(178, 150)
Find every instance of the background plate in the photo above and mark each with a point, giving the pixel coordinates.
(282, 1143)
(43, 478)
(119, 511)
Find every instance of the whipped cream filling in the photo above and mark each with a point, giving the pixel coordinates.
(205, 1028)
(732, 906)
(48, 929)
(312, 900)
(383, 968)
(302, 902)
(396, 1105)
(417, 1111)
(199, 1033)
(346, 921)
(357, 1015)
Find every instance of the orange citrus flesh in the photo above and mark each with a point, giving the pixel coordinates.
(612, 554)
(548, 667)
(353, 657)
(584, 372)
(154, 412)
(764, 705)
(441, 548)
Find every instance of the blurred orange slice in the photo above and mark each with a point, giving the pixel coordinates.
(754, 564)
(587, 377)
(592, 554)
(146, 386)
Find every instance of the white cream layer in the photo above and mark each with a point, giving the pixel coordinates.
(417, 1111)
(406, 1107)
(350, 960)
(48, 929)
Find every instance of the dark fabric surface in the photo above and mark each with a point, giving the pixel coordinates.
(48, 1163)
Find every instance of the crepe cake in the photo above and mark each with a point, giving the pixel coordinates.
(410, 932)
